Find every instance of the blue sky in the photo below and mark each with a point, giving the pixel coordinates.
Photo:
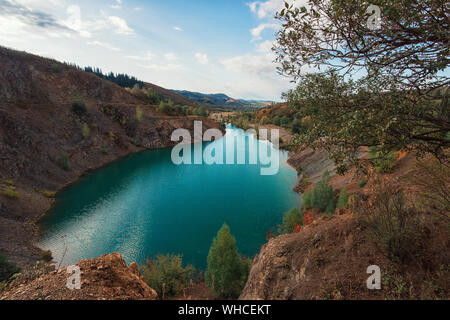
(215, 46)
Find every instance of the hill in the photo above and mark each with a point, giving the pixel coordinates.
(222, 101)
(176, 97)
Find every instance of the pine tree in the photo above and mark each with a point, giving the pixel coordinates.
(323, 194)
(307, 200)
(343, 199)
(291, 219)
(227, 271)
(329, 210)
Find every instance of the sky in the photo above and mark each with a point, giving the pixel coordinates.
(208, 46)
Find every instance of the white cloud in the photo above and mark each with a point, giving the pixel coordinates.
(268, 9)
(19, 23)
(202, 58)
(253, 6)
(120, 26)
(13, 29)
(162, 67)
(256, 32)
(170, 56)
(265, 47)
(118, 4)
(177, 29)
(104, 45)
(251, 64)
(265, 9)
(147, 56)
(255, 76)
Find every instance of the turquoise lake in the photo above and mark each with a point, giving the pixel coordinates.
(143, 205)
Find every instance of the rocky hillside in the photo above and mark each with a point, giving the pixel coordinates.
(56, 123)
(104, 278)
(328, 259)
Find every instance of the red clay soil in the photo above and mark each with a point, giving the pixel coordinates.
(104, 278)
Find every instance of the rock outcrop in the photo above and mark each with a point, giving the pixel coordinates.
(326, 260)
(104, 278)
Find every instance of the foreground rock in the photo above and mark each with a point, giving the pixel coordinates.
(104, 278)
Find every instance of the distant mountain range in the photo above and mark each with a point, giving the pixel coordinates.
(222, 101)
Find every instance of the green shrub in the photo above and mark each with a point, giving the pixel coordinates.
(46, 256)
(167, 107)
(136, 143)
(329, 210)
(298, 126)
(292, 218)
(343, 199)
(105, 151)
(152, 96)
(393, 223)
(64, 161)
(284, 121)
(227, 271)
(202, 112)
(10, 193)
(79, 107)
(166, 275)
(307, 200)
(382, 162)
(7, 269)
(85, 131)
(264, 120)
(277, 121)
(362, 183)
(48, 194)
(9, 182)
(323, 197)
(139, 114)
(55, 67)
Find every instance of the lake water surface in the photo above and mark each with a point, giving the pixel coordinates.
(144, 205)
